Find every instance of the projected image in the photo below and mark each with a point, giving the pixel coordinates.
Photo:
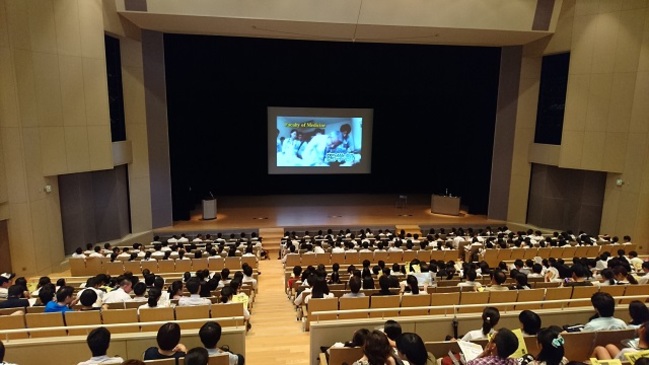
(319, 141)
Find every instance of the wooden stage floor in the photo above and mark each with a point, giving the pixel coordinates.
(326, 210)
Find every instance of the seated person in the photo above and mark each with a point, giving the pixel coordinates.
(98, 341)
(611, 351)
(64, 301)
(2, 355)
(193, 287)
(490, 319)
(497, 280)
(497, 351)
(551, 343)
(16, 298)
(354, 287)
(169, 346)
(210, 334)
(376, 350)
(412, 350)
(604, 305)
(196, 356)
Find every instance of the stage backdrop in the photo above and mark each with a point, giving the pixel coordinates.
(434, 113)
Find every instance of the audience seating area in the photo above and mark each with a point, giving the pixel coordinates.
(92, 266)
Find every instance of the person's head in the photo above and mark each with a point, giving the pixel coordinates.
(499, 277)
(210, 334)
(226, 294)
(168, 336)
(412, 347)
(639, 312)
(176, 288)
(530, 321)
(551, 344)
(139, 289)
(521, 280)
(358, 339)
(490, 318)
(196, 356)
(392, 329)
(46, 294)
(603, 303)
(126, 284)
(64, 295)
(88, 298)
(345, 129)
(579, 271)
(193, 285)
(247, 270)
(376, 347)
(15, 291)
(413, 284)
(98, 340)
(504, 343)
(355, 284)
(42, 281)
(154, 296)
(384, 283)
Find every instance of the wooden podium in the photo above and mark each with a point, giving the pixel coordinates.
(442, 204)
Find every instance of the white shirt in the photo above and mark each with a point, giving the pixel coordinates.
(117, 295)
(102, 360)
(476, 335)
(193, 299)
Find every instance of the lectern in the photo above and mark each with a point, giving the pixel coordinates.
(443, 204)
(209, 209)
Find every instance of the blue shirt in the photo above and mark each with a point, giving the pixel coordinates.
(55, 307)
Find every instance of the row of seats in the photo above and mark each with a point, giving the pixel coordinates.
(114, 316)
(92, 266)
(578, 346)
(569, 297)
(491, 256)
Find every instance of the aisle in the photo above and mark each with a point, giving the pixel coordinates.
(276, 337)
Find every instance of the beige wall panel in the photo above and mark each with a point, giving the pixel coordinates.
(612, 194)
(614, 151)
(95, 87)
(47, 82)
(68, 35)
(621, 102)
(545, 154)
(527, 103)
(117, 25)
(4, 211)
(599, 95)
(14, 164)
(627, 213)
(101, 150)
(137, 134)
(18, 24)
(4, 195)
(634, 168)
(72, 91)
(77, 149)
(21, 240)
(574, 118)
(572, 148)
(629, 41)
(531, 68)
(134, 103)
(131, 53)
(607, 6)
(91, 25)
(587, 7)
(518, 194)
(140, 200)
(640, 111)
(42, 26)
(606, 30)
(8, 99)
(122, 153)
(24, 68)
(634, 4)
(583, 42)
(641, 234)
(33, 162)
(561, 41)
(53, 150)
(4, 31)
(643, 63)
(524, 137)
(55, 226)
(593, 150)
(39, 211)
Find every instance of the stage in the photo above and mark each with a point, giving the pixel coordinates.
(322, 211)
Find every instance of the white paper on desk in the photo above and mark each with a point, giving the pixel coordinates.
(470, 350)
(31, 301)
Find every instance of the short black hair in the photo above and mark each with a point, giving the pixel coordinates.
(139, 288)
(168, 336)
(355, 284)
(603, 303)
(499, 277)
(88, 297)
(210, 334)
(193, 285)
(197, 356)
(15, 291)
(392, 329)
(64, 292)
(506, 342)
(98, 341)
